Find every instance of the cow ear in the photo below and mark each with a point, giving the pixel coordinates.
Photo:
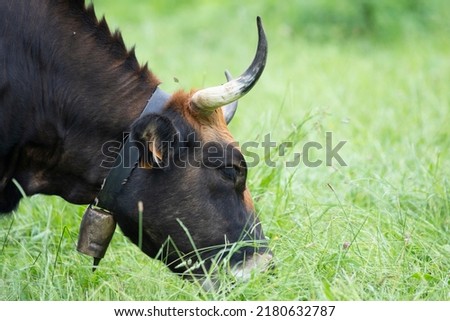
(156, 137)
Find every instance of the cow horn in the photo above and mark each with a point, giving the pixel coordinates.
(209, 99)
(230, 109)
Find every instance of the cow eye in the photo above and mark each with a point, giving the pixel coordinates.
(233, 172)
(229, 172)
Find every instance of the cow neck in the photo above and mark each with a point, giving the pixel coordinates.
(122, 169)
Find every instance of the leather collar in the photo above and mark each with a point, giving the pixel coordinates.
(120, 173)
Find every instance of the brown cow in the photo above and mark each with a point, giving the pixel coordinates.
(69, 90)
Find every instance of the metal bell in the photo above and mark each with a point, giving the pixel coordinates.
(96, 231)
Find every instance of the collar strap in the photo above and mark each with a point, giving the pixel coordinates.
(122, 168)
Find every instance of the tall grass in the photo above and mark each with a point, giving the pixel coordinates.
(376, 229)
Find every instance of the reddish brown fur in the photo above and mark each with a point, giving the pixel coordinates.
(211, 126)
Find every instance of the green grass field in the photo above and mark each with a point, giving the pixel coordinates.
(375, 74)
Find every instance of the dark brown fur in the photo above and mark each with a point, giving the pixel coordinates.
(77, 83)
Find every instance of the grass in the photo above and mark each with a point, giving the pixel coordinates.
(377, 229)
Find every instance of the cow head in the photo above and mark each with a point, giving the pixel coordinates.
(187, 203)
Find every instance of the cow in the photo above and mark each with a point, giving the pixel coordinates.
(70, 90)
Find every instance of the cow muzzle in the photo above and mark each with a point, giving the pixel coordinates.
(96, 230)
(257, 263)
